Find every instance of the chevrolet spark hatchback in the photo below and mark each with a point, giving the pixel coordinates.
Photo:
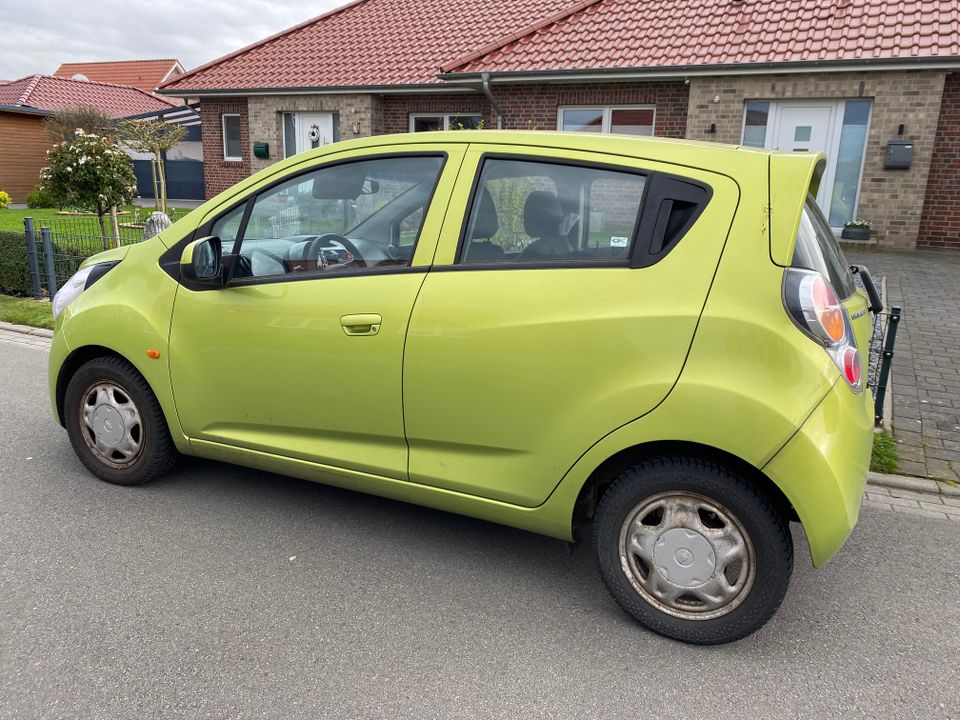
(654, 343)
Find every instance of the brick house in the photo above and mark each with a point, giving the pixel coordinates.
(854, 78)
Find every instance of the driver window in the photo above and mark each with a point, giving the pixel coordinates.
(227, 228)
(338, 218)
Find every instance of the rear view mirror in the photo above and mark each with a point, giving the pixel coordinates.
(343, 182)
(201, 262)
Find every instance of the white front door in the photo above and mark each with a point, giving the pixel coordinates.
(835, 127)
(314, 130)
(801, 128)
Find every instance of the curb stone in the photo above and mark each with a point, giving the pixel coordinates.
(26, 330)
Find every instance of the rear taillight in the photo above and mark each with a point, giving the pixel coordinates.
(815, 308)
(851, 365)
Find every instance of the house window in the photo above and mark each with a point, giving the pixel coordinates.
(428, 122)
(231, 138)
(632, 120)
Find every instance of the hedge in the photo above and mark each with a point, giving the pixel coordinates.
(14, 267)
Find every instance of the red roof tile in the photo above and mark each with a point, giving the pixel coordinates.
(46, 92)
(369, 42)
(614, 34)
(144, 74)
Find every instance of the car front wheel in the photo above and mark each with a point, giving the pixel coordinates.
(115, 424)
(692, 550)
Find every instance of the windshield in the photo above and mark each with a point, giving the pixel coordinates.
(818, 250)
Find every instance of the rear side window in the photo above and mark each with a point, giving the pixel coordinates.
(530, 211)
(818, 250)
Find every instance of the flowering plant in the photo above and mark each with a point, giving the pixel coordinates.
(857, 224)
(89, 171)
(4, 199)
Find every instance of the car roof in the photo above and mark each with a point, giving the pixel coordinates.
(694, 153)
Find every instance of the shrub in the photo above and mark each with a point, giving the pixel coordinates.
(4, 199)
(39, 197)
(14, 266)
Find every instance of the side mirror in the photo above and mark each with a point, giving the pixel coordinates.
(201, 262)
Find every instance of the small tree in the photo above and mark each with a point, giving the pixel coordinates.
(155, 137)
(90, 171)
(62, 126)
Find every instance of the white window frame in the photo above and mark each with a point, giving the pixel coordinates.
(607, 110)
(223, 131)
(443, 116)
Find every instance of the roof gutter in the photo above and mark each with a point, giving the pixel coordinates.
(26, 110)
(485, 79)
(688, 71)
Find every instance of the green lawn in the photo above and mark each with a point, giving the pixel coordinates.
(81, 224)
(26, 312)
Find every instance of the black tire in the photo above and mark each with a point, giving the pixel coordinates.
(757, 519)
(155, 453)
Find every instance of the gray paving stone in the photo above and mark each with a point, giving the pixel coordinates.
(926, 365)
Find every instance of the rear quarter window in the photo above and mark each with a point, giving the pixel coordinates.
(818, 250)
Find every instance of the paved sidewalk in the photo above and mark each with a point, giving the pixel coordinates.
(926, 363)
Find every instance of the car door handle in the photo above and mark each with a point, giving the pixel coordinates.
(361, 324)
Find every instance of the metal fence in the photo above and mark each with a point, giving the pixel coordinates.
(57, 248)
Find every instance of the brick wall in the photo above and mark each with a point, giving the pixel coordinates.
(892, 200)
(358, 116)
(940, 222)
(220, 174)
(397, 108)
(534, 107)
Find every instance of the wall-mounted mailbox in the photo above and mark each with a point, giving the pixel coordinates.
(899, 155)
(261, 150)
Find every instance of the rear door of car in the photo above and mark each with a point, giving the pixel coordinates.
(561, 304)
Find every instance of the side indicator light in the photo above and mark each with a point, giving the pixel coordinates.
(153, 354)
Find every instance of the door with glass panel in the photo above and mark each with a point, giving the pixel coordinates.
(305, 357)
(306, 131)
(537, 330)
(835, 127)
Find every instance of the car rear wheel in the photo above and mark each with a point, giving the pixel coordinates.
(692, 550)
(115, 423)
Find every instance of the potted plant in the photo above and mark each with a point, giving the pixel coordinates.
(856, 230)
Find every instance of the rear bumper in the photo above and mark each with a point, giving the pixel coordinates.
(823, 468)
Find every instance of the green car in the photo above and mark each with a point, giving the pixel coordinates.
(651, 343)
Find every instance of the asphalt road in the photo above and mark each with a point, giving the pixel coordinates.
(222, 592)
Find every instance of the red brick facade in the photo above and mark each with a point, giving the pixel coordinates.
(940, 222)
(220, 174)
(534, 107)
(397, 108)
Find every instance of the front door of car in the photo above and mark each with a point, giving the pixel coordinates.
(300, 355)
(561, 305)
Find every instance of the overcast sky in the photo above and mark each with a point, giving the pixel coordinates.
(41, 34)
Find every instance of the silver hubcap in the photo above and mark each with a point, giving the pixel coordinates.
(111, 423)
(687, 555)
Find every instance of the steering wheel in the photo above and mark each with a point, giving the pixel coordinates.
(316, 247)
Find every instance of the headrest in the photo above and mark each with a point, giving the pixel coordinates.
(485, 223)
(542, 214)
